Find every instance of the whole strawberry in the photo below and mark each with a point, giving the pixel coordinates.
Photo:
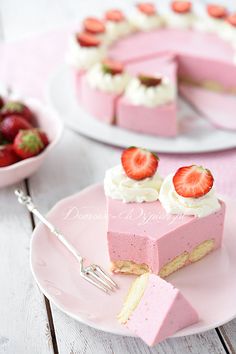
(11, 125)
(43, 137)
(28, 143)
(7, 155)
(17, 108)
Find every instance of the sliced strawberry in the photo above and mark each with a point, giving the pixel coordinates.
(149, 81)
(139, 163)
(232, 19)
(193, 181)
(94, 25)
(115, 16)
(87, 40)
(217, 11)
(28, 143)
(147, 8)
(7, 155)
(11, 125)
(17, 108)
(112, 67)
(181, 7)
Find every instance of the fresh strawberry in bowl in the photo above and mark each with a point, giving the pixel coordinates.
(29, 130)
(17, 108)
(12, 124)
(7, 155)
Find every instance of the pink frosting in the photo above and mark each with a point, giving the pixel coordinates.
(145, 233)
(162, 311)
(98, 103)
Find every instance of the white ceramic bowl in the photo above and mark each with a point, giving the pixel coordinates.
(48, 121)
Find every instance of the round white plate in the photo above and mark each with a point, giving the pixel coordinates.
(196, 133)
(209, 284)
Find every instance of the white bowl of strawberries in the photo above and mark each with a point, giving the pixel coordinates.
(28, 132)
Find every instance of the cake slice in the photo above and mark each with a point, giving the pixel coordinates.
(155, 310)
(149, 102)
(156, 226)
(85, 50)
(101, 87)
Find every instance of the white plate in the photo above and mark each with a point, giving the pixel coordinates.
(209, 284)
(196, 133)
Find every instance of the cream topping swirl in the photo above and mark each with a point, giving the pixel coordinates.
(228, 32)
(84, 57)
(106, 82)
(118, 185)
(145, 22)
(173, 203)
(139, 94)
(116, 30)
(182, 21)
(210, 24)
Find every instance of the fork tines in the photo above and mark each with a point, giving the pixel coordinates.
(96, 276)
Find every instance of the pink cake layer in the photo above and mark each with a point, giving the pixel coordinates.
(162, 311)
(78, 79)
(160, 120)
(145, 233)
(218, 108)
(202, 55)
(99, 104)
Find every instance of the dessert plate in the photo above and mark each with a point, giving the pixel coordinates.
(196, 133)
(209, 284)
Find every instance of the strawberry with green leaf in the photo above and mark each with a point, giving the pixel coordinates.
(28, 143)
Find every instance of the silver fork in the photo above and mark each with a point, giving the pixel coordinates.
(92, 273)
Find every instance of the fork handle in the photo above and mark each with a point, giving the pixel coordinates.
(27, 201)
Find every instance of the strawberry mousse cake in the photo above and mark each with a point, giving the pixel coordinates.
(149, 103)
(101, 87)
(155, 309)
(157, 225)
(203, 44)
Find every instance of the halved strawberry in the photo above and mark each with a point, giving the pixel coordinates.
(115, 16)
(147, 8)
(149, 81)
(94, 25)
(232, 19)
(193, 181)
(87, 40)
(217, 11)
(139, 163)
(112, 67)
(181, 7)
